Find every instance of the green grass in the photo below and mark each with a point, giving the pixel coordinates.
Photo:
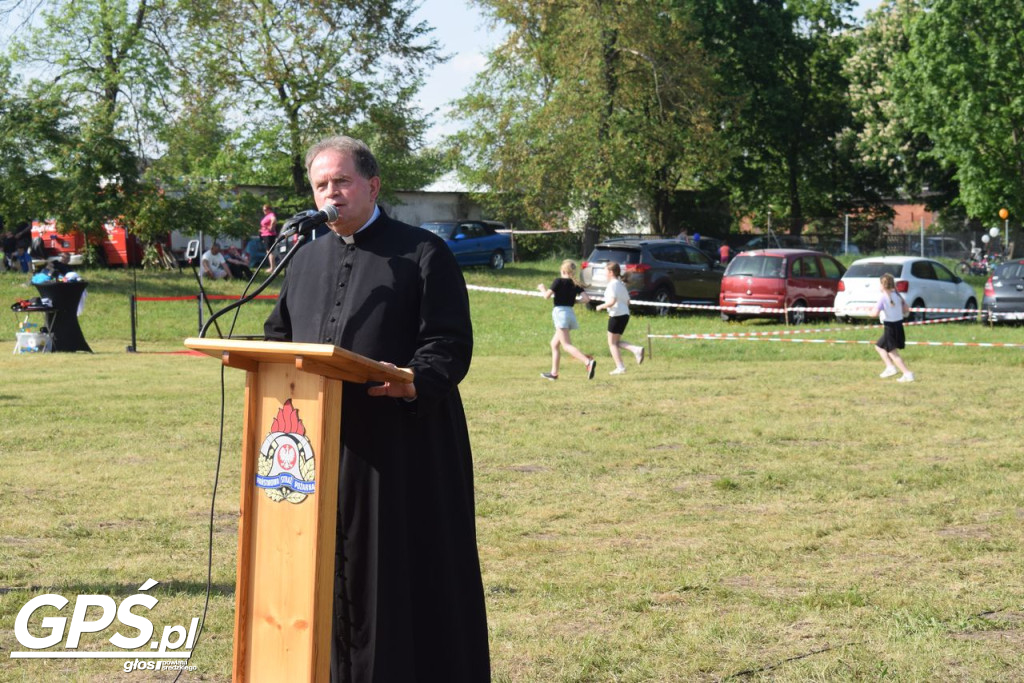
(730, 510)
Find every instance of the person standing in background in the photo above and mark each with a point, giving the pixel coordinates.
(724, 253)
(268, 233)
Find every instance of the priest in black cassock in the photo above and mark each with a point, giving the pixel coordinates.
(409, 602)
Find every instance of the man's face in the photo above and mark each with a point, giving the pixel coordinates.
(335, 181)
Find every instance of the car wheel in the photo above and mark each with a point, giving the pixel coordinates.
(497, 261)
(918, 316)
(797, 313)
(726, 318)
(972, 306)
(663, 296)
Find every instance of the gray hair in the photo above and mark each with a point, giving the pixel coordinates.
(365, 162)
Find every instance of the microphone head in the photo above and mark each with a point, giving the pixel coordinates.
(331, 211)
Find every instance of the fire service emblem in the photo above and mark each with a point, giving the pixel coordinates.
(286, 467)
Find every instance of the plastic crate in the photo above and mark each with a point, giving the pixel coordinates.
(33, 342)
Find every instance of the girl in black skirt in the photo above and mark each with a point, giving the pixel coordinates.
(890, 309)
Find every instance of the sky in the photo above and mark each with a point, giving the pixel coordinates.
(464, 34)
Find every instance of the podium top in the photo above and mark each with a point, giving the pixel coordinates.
(324, 359)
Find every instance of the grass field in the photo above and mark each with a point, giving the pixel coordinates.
(730, 510)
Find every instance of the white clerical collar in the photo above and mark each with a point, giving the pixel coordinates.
(349, 239)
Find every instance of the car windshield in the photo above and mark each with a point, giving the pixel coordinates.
(622, 256)
(1010, 271)
(443, 230)
(756, 266)
(875, 269)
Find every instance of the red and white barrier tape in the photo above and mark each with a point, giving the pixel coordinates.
(708, 337)
(970, 312)
(775, 333)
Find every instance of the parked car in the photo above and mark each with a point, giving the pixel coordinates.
(662, 270)
(710, 246)
(923, 283)
(840, 247)
(765, 282)
(773, 241)
(1004, 293)
(940, 246)
(475, 243)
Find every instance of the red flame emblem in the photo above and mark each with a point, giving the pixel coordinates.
(288, 421)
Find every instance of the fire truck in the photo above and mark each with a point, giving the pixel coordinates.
(115, 248)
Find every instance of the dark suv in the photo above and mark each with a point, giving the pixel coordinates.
(662, 270)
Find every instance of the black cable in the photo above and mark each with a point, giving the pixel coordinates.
(245, 291)
(220, 441)
(213, 502)
(263, 285)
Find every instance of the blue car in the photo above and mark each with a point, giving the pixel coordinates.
(475, 243)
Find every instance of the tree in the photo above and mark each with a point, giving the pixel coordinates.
(590, 107)
(32, 131)
(899, 157)
(781, 62)
(100, 67)
(300, 68)
(959, 85)
(169, 97)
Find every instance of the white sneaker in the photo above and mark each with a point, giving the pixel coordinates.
(618, 371)
(889, 372)
(639, 355)
(907, 377)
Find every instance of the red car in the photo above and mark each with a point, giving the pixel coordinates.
(780, 284)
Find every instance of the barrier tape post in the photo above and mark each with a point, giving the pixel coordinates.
(132, 311)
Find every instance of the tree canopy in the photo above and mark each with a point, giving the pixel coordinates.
(959, 85)
(605, 113)
(587, 107)
(177, 102)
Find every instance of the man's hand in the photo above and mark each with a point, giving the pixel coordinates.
(393, 389)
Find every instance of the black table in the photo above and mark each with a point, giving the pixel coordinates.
(62, 320)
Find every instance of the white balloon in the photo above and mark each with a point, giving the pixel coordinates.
(994, 232)
(985, 239)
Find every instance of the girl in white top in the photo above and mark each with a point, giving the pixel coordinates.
(616, 302)
(890, 309)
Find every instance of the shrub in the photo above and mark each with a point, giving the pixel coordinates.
(541, 246)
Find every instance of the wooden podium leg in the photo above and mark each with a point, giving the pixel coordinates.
(286, 539)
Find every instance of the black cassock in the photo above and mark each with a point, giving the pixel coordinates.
(409, 602)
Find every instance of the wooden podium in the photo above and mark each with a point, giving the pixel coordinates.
(291, 439)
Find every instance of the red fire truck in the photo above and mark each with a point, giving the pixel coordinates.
(116, 248)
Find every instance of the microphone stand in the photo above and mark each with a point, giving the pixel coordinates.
(266, 283)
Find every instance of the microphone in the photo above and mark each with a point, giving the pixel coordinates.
(303, 222)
